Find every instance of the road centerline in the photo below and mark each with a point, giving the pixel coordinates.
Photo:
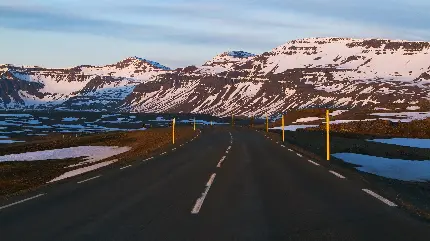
(200, 200)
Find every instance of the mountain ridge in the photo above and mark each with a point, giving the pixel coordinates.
(302, 73)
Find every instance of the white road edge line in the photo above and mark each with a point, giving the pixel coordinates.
(200, 200)
(298, 154)
(125, 167)
(384, 200)
(24, 200)
(313, 162)
(147, 159)
(290, 150)
(173, 149)
(163, 153)
(336, 174)
(282, 145)
(86, 180)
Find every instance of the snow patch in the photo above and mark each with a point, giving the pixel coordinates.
(82, 170)
(410, 142)
(91, 154)
(405, 170)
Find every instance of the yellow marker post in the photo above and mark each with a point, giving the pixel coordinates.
(283, 131)
(194, 124)
(267, 123)
(327, 119)
(211, 123)
(173, 131)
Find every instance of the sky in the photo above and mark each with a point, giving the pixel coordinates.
(179, 33)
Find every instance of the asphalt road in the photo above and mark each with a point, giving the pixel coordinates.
(255, 190)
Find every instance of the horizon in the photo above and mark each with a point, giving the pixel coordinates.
(179, 33)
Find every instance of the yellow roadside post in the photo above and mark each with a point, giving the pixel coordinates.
(173, 131)
(327, 120)
(283, 130)
(267, 123)
(194, 124)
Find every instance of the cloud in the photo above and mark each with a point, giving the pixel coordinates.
(403, 14)
(43, 19)
(232, 16)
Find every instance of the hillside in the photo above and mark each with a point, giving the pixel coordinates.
(306, 73)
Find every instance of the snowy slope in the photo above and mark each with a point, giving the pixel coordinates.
(314, 72)
(94, 84)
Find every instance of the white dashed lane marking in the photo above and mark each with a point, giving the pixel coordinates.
(384, 200)
(313, 162)
(298, 154)
(220, 161)
(147, 159)
(336, 174)
(24, 200)
(201, 199)
(125, 167)
(89, 179)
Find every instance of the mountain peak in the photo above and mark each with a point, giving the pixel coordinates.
(230, 57)
(153, 63)
(238, 54)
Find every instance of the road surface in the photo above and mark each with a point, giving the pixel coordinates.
(221, 186)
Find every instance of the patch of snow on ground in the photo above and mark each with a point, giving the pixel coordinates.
(293, 127)
(407, 115)
(308, 119)
(15, 115)
(40, 127)
(70, 126)
(9, 142)
(410, 142)
(346, 121)
(105, 116)
(70, 119)
(337, 112)
(405, 170)
(91, 154)
(413, 108)
(5, 123)
(82, 170)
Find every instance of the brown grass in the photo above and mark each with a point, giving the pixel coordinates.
(413, 129)
(17, 177)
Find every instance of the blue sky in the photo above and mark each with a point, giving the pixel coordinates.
(177, 33)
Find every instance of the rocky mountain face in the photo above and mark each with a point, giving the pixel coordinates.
(306, 73)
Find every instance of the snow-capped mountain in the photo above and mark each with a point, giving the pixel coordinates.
(82, 86)
(313, 72)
